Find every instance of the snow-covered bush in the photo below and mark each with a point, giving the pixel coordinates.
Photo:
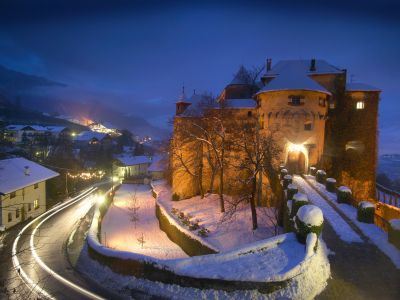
(283, 173)
(313, 171)
(330, 185)
(287, 220)
(343, 195)
(394, 232)
(175, 197)
(309, 219)
(291, 190)
(299, 200)
(320, 176)
(287, 179)
(366, 212)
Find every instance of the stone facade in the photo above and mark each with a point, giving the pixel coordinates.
(313, 114)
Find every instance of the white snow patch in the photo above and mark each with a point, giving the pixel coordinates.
(289, 204)
(344, 189)
(310, 215)
(300, 197)
(366, 204)
(292, 186)
(395, 224)
(322, 172)
(331, 180)
(287, 177)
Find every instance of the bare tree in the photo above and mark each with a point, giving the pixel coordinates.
(133, 208)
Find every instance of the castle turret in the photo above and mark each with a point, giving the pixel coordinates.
(182, 104)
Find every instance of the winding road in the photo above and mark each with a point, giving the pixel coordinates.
(39, 255)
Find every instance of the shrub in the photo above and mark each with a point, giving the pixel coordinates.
(308, 219)
(283, 173)
(313, 171)
(287, 221)
(194, 226)
(287, 179)
(394, 232)
(299, 200)
(291, 190)
(320, 176)
(343, 195)
(330, 185)
(174, 211)
(366, 212)
(175, 197)
(203, 232)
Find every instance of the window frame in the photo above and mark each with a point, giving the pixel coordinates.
(13, 194)
(360, 105)
(36, 185)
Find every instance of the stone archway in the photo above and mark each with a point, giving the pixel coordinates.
(296, 162)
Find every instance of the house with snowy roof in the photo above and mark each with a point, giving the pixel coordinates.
(127, 165)
(316, 116)
(22, 190)
(158, 167)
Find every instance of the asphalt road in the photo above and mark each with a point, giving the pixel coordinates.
(44, 270)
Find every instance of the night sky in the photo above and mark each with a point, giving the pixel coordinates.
(135, 55)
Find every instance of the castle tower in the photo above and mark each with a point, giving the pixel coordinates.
(182, 104)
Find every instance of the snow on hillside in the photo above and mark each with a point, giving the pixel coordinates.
(227, 234)
(119, 231)
(389, 165)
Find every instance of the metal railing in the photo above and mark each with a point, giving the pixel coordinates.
(387, 196)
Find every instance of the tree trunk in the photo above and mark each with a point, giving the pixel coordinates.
(253, 203)
(221, 180)
(211, 186)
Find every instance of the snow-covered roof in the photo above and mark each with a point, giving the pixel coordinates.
(240, 103)
(296, 75)
(158, 164)
(89, 135)
(241, 77)
(12, 174)
(129, 160)
(362, 87)
(56, 129)
(303, 66)
(26, 127)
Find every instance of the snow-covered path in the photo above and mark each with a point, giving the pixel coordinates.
(119, 231)
(343, 230)
(359, 269)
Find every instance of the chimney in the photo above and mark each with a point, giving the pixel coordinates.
(27, 171)
(312, 66)
(269, 62)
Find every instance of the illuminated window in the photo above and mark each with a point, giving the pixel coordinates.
(36, 204)
(360, 105)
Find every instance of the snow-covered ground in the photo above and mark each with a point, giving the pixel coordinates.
(343, 230)
(376, 235)
(224, 235)
(120, 232)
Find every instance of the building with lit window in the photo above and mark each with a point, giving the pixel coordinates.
(22, 190)
(317, 117)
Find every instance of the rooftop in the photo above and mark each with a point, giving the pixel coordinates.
(12, 174)
(89, 135)
(129, 160)
(356, 86)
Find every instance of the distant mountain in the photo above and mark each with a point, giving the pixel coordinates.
(11, 81)
(389, 164)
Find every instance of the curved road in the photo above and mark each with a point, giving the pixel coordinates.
(40, 260)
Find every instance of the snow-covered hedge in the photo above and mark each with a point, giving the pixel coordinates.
(283, 173)
(394, 232)
(320, 176)
(299, 199)
(343, 195)
(330, 185)
(287, 179)
(366, 212)
(291, 190)
(309, 219)
(313, 171)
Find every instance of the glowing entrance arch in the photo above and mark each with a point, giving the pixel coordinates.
(297, 158)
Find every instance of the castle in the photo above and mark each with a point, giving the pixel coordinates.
(317, 117)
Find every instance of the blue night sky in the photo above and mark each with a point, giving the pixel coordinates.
(135, 55)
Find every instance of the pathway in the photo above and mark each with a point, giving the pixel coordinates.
(359, 269)
(131, 217)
